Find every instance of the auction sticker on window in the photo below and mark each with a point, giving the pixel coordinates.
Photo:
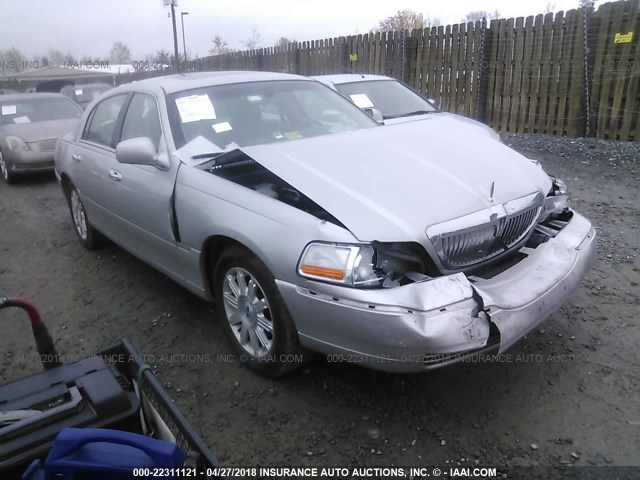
(78, 91)
(8, 110)
(221, 127)
(194, 108)
(361, 100)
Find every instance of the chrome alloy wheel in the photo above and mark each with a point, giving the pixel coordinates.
(79, 217)
(248, 312)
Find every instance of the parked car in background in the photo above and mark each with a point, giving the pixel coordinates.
(397, 247)
(84, 94)
(396, 102)
(30, 125)
(7, 91)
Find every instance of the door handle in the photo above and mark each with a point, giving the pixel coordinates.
(116, 175)
(76, 157)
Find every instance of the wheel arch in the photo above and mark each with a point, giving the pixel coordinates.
(65, 183)
(212, 248)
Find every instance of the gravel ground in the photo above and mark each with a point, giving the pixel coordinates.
(567, 394)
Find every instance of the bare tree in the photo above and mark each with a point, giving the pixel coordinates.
(284, 41)
(255, 40)
(550, 7)
(407, 20)
(478, 15)
(69, 60)
(120, 53)
(162, 58)
(12, 60)
(590, 4)
(220, 47)
(56, 56)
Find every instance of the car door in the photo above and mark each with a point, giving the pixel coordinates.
(92, 158)
(140, 196)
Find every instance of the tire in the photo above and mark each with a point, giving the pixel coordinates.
(6, 174)
(88, 236)
(254, 315)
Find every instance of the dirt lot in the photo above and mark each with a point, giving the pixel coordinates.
(567, 394)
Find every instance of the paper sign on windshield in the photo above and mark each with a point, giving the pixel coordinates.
(8, 110)
(361, 100)
(221, 127)
(194, 108)
(78, 91)
(22, 119)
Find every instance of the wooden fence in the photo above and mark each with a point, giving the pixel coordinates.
(573, 73)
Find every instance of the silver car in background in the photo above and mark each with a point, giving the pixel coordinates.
(314, 228)
(84, 94)
(394, 101)
(30, 125)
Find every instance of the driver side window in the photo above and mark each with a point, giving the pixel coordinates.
(103, 121)
(142, 119)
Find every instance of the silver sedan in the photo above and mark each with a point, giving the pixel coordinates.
(30, 125)
(313, 228)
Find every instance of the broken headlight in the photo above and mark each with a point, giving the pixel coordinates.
(365, 265)
(557, 200)
(351, 265)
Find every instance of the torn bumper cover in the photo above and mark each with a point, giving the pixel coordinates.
(444, 320)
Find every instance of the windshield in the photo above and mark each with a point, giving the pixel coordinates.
(256, 113)
(37, 110)
(392, 98)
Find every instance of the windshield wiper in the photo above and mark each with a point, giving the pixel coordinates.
(410, 114)
(418, 112)
(208, 155)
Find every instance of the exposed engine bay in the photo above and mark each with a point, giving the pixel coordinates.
(238, 167)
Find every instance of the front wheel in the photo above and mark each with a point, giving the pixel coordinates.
(7, 176)
(254, 315)
(89, 237)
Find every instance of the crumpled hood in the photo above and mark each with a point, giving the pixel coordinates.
(390, 183)
(36, 131)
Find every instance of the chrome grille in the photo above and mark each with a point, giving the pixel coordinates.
(502, 229)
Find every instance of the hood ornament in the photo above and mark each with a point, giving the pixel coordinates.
(493, 185)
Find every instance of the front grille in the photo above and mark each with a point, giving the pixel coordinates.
(465, 247)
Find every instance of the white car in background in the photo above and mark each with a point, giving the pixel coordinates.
(389, 100)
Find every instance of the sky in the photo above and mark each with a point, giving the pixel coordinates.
(90, 28)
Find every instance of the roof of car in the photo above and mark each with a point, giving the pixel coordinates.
(340, 78)
(16, 97)
(186, 81)
(97, 84)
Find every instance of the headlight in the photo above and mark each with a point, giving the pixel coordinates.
(351, 265)
(558, 198)
(559, 187)
(16, 143)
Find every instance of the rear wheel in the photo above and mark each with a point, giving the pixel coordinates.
(254, 315)
(89, 237)
(7, 176)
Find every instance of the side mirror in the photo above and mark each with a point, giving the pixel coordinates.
(137, 151)
(375, 114)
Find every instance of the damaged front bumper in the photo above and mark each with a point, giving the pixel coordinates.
(447, 319)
